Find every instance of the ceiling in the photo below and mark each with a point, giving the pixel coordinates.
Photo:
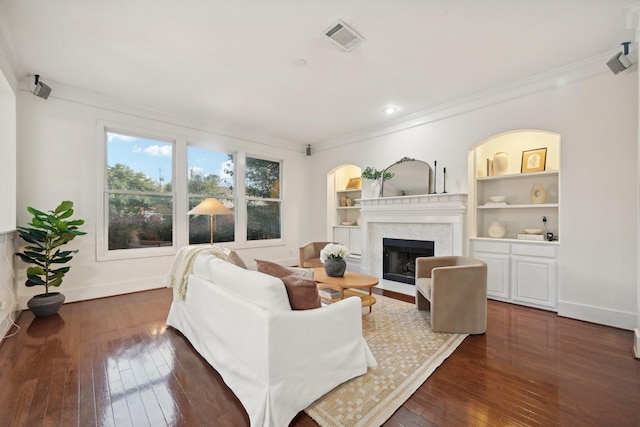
(237, 63)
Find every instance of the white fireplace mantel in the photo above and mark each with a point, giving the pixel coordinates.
(437, 217)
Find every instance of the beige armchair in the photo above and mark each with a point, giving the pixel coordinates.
(454, 288)
(310, 254)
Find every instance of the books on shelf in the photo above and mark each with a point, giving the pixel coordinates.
(539, 237)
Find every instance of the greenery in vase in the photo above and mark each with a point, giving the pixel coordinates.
(373, 173)
(333, 251)
(48, 232)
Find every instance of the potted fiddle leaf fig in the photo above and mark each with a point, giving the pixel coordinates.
(48, 232)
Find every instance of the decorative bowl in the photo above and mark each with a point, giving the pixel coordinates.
(533, 230)
(498, 198)
(348, 223)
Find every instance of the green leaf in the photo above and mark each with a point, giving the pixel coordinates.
(35, 271)
(56, 282)
(35, 212)
(64, 206)
(66, 214)
(61, 271)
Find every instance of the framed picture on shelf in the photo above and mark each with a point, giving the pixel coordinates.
(534, 160)
(354, 183)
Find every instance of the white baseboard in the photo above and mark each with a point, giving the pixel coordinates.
(602, 316)
(636, 343)
(101, 291)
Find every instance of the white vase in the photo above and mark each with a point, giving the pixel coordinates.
(370, 188)
(497, 229)
(500, 163)
(538, 194)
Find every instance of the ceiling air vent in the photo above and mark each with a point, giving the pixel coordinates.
(344, 36)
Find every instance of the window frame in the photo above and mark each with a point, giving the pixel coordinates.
(102, 227)
(247, 199)
(179, 192)
(211, 147)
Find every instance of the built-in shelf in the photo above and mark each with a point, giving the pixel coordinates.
(519, 271)
(524, 206)
(517, 176)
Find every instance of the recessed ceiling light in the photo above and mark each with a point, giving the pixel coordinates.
(390, 109)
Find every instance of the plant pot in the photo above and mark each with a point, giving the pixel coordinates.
(370, 188)
(43, 305)
(335, 267)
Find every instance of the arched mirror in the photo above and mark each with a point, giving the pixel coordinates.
(411, 177)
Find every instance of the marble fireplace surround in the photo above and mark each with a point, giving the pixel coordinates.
(437, 217)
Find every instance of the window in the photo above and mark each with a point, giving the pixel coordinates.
(210, 174)
(152, 181)
(139, 192)
(264, 199)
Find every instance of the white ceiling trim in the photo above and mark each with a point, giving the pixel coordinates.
(93, 99)
(544, 81)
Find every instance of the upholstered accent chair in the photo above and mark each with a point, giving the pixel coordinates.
(310, 254)
(454, 288)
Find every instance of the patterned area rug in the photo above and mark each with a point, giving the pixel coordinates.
(407, 352)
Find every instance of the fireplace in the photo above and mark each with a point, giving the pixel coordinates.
(399, 258)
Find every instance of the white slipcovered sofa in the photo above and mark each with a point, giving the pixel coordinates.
(276, 360)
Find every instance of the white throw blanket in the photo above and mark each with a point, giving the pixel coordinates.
(183, 264)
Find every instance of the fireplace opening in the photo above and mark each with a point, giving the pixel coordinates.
(399, 258)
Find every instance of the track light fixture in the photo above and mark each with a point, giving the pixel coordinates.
(308, 149)
(41, 90)
(620, 62)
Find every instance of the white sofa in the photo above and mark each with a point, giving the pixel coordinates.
(276, 360)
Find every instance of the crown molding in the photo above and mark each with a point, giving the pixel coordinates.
(75, 95)
(559, 77)
(9, 61)
(632, 17)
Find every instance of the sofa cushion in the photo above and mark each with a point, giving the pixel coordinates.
(261, 289)
(273, 269)
(423, 285)
(303, 292)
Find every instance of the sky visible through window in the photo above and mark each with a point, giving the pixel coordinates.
(153, 158)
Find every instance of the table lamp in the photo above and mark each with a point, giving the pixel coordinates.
(211, 207)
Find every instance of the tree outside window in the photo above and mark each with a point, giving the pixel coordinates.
(140, 203)
(210, 174)
(264, 199)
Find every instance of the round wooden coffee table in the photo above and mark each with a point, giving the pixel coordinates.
(351, 284)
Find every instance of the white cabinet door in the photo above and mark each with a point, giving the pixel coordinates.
(341, 235)
(497, 274)
(355, 241)
(351, 237)
(533, 281)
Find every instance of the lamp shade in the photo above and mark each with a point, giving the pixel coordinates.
(210, 206)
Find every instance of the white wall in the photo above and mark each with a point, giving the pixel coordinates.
(597, 121)
(57, 151)
(8, 87)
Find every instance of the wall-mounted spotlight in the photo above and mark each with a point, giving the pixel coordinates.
(41, 90)
(308, 149)
(620, 62)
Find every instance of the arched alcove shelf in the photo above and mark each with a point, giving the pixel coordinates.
(343, 213)
(522, 265)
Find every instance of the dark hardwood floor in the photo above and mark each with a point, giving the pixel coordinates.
(112, 362)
